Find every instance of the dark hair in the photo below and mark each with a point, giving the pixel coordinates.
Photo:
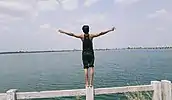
(85, 29)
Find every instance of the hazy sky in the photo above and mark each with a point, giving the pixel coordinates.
(29, 24)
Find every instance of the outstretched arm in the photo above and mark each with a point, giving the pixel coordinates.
(102, 33)
(70, 34)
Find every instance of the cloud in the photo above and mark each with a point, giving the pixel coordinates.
(48, 27)
(161, 14)
(92, 19)
(4, 28)
(158, 13)
(5, 18)
(47, 5)
(8, 17)
(21, 5)
(45, 26)
(96, 21)
(88, 3)
(15, 5)
(69, 27)
(23, 9)
(160, 29)
(69, 4)
(31, 8)
(18, 9)
(126, 2)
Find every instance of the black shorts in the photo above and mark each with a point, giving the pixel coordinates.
(88, 59)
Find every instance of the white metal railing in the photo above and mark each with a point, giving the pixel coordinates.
(161, 91)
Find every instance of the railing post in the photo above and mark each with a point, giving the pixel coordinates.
(90, 93)
(166, 90)
(11, 94)
(156, 90)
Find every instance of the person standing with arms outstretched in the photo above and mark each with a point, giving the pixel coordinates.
(87, 50)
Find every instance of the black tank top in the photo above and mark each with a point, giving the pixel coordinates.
(87, 44)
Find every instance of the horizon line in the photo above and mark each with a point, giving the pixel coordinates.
(97, 49)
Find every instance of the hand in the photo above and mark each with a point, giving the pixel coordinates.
(60, 31)
(113, 29)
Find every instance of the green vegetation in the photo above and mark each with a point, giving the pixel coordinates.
(78, 98)
(128, 48)
(147, 95)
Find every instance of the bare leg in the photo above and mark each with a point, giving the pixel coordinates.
(91, 76)
(86, 77)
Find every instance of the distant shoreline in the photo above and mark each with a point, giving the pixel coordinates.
(16, 52)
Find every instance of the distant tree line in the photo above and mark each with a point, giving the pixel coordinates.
(149, 48)
(80, 50)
